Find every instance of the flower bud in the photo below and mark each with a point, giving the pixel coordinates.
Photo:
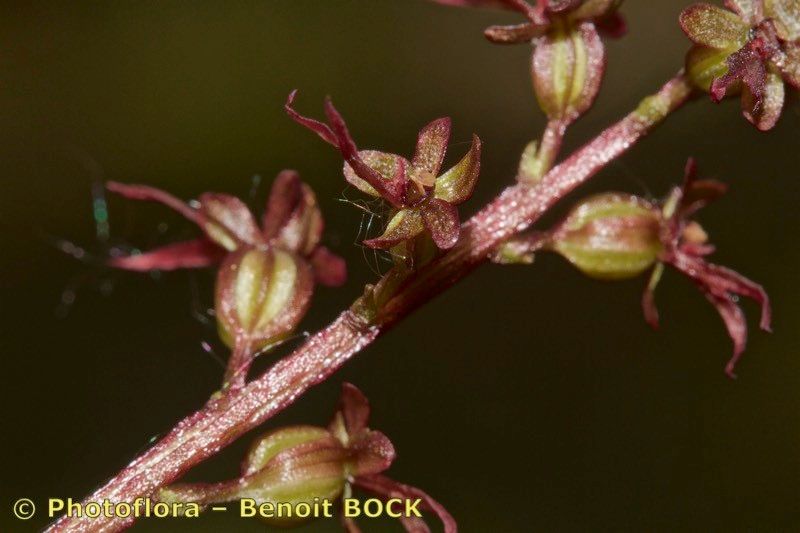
(610, 236)
(568, 65)
(261, 295)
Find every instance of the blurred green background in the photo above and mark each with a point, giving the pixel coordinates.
(523, 399)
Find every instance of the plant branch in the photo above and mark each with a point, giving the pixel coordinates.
(552, 138)
(228, 415)
(539, 158)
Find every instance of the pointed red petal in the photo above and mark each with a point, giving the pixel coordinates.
(388, 488)
(725, 279)
(354, 407)
(284, 196)
(595, 66)
(432, 146)
(372, 451)
(514, 34)
(391, 190)
(702, 193)
(593, 9)
(649, 308)
(293, 216)
(720, 284)
(189, 254)
(441, 219)
(337, 134)
(323, 130)
(696, 194)
(390, 167)
(735, 323)
(147, 193)
(649, 299)
(689, 172)
(228, 221)
(329, 269)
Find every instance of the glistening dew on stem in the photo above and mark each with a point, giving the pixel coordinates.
(267, 272)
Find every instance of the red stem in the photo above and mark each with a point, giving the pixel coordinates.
(229, 415)
(552, 139)
(239, 363)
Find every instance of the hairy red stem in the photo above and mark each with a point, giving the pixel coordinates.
(552, 138)
(229, 415)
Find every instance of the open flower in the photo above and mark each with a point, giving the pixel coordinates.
(313, 466)
(291, 222)
(618, 236)
(685, 248)
(753, 46)
(266, 280)
(421, 198)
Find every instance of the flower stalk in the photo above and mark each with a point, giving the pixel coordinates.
(228, 415)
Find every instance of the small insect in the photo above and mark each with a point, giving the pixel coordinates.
(371, 224)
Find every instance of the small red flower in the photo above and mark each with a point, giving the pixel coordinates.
(292, 222)
(754, 46)
(267, 274)
(685, 249)
(542, 15)
(618, 236)
(569, 58)
(420, 197)
(307, 464)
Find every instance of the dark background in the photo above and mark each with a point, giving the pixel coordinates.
(523, 399)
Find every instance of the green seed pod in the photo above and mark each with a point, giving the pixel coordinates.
(567, 68)
(261, 295)
(301, 464)
(610, 236)
(286, 473)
